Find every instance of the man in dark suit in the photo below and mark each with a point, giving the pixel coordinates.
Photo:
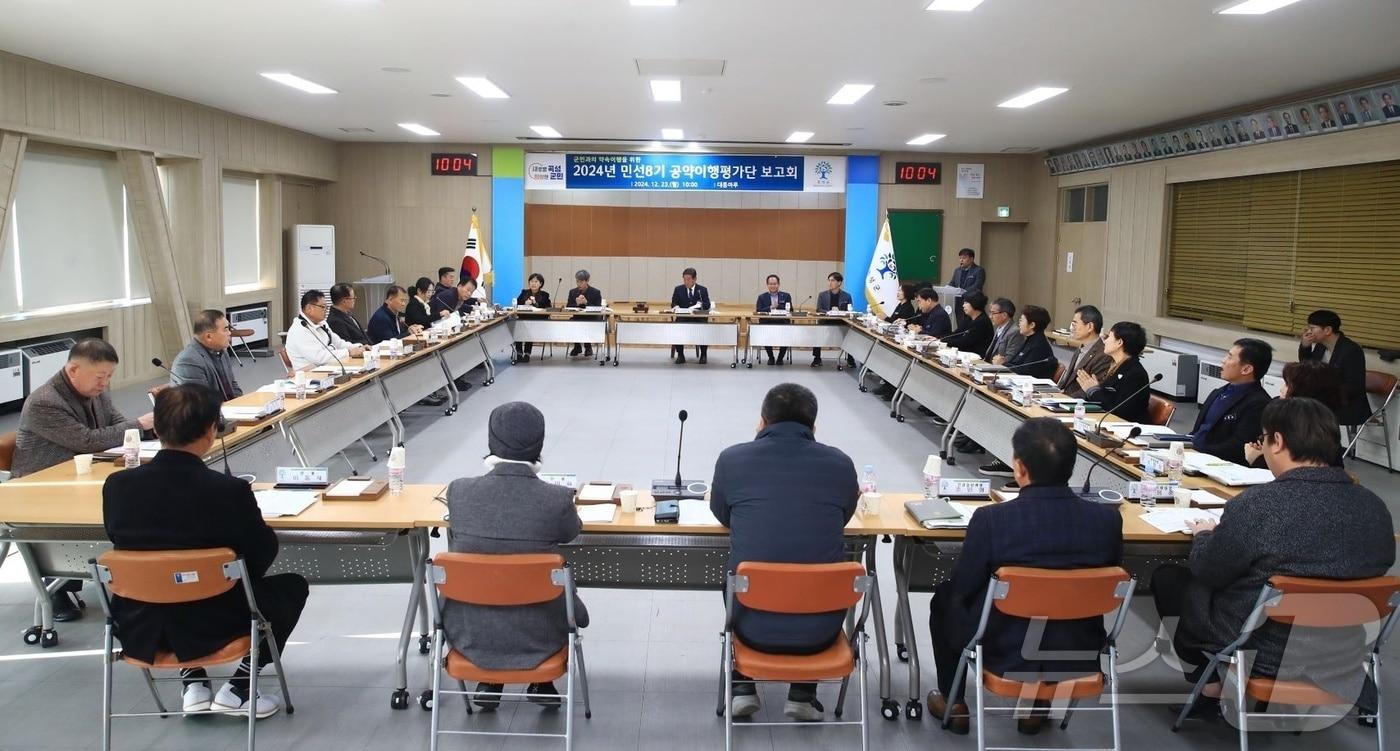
(1324, 341)
(774, 299)
(969, 277)
(583, 295)
(205, 360)
(1344, 114)
(1035, 358)
(459, 299)
(786, 499)
(1046, 526)
(1388, 106)
(1229, 419)
(932, 319)
(1324, 117)
(1289, 127)
(694, 297)
(388, 321)
(177, 503)
(341, 316)
(832, 298)
(1085, 331)
(447, 279)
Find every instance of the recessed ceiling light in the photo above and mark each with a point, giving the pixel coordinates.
(357, 130)
(653, 3)
(895, 102)
(666, 90)
(482, 87)
(417, 129)
(850, 93)
(392, 69)
(963, 5)
(544, 131)
(440, 94)
(299, 83)
(672, 134)
(800, 136)
(1034, 96)
(925, 139)
(1254, 7)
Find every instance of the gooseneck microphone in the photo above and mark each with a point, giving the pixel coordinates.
(798, 309)
(1134, 433)
(555, 299)
(1032, 362)
(679, 442)
(156, 361)
(344, 374)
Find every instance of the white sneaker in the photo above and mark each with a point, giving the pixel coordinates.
(744, 705)
(227, 702)
(197, 697)
(803, 711)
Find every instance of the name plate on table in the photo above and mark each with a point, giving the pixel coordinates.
(1165, 489)
(964, 488)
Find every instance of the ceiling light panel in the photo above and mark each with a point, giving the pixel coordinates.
(1034, 96)
(672, 134)
(800, 136)
(955, 5)
(850, 93)
(666, 90)
(299, 83)
(1254, 7)
(544, 131)
(483, 87)
(925, 139)
(421, 130)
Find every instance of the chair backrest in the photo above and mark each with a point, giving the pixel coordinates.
(7, 450)
(1160, 410)
(503, 580)
(1333, 603)
(1058, 595)
(1059, 371)
(165, 577)
(800, 587)
(1379, 384)
(286, 360)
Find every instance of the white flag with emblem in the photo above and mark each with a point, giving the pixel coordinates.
(882, 281)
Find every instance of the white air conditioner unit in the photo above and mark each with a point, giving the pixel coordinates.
(1210, 380)
(253, 318)
(11, 376)
(1180, 372)
(43, 360)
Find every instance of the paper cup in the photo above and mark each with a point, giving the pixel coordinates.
(1181, 496)
(870, 504)
(82, 464)
(629, 501)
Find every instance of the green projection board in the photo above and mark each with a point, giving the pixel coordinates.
(918, 239)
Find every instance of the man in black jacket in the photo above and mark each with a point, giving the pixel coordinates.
(932, 319)
(1324, 341)
(831, 298)
(786, 499)
(341, 316)
(1229, 419)
(692, 296)
(177, 503)
(1046, 526)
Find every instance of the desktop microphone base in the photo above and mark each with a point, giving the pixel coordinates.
(1101, 440)
(667, 490)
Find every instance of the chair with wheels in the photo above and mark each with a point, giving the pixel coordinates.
(1313, 604)
(502, 581)
(171, 577)
(1049, 595)
(797, 588)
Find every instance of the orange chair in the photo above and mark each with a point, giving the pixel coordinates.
(1049, 595)
(503, 581)
(797, 588)
(1384, 386)
(1059, 371)
(169, 577)
(1311, 603)
(1160, 410)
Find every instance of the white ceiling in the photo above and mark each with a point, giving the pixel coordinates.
(570, 63)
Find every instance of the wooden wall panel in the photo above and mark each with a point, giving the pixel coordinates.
(668, 232)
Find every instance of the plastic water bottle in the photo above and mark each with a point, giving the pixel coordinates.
(300, 381)
(397, 459)
(131, 448)
(1081, 421)
(1176, 461)
(933, 474)
(868, 483)
(1147, 490)
(396, 348)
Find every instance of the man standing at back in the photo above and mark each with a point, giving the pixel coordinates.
(1046, 526)
(969, 277)
(1324, 341)
(786, 499)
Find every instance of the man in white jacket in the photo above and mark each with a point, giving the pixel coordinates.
(310, 342)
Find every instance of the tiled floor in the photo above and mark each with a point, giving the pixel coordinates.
(652, 655)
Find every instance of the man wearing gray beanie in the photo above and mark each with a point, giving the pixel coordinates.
(510, 510)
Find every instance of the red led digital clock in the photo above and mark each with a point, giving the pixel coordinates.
(918, 173)
(454, 164)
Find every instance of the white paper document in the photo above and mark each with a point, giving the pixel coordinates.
(1205, 498)
(1174, 519)
(274, 503)
(349, 488)
(964, 516)
(697, 513)
(1234, 475)
(598, 513)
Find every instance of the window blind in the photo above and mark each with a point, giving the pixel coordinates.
(240, 231)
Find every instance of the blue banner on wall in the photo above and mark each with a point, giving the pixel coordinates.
(708, 172)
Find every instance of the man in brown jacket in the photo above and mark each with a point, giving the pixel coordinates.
(1085, 330)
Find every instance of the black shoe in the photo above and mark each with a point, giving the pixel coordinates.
(1206, 708)
(462, 384)
(544, 694)
(525, 358)
(588, 351)
(996, 469)
(771, 361)
(850, 361)
(64, 609)
(488, 702)
(433, 400)
(576, 351)
(680, 359)
(1013, 485)
(704, 358)
(816, 362)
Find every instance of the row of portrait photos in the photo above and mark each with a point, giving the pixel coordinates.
(1358, 109)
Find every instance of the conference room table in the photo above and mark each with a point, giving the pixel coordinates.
(667, 327)
(563, 326)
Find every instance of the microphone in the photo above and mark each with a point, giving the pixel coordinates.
(1134, 433)
(1097, 438)
(553, 300)
(1032, 362)
(799, 305)
(381, 261)
(157, 362)
(683, 415)
(344, 374)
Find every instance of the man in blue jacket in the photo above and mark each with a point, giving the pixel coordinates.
(387, 322)
(1046, 526)
(690, 295)
(786, 499)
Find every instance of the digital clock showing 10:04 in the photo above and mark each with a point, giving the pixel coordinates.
(453, 164)
(918, 173)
